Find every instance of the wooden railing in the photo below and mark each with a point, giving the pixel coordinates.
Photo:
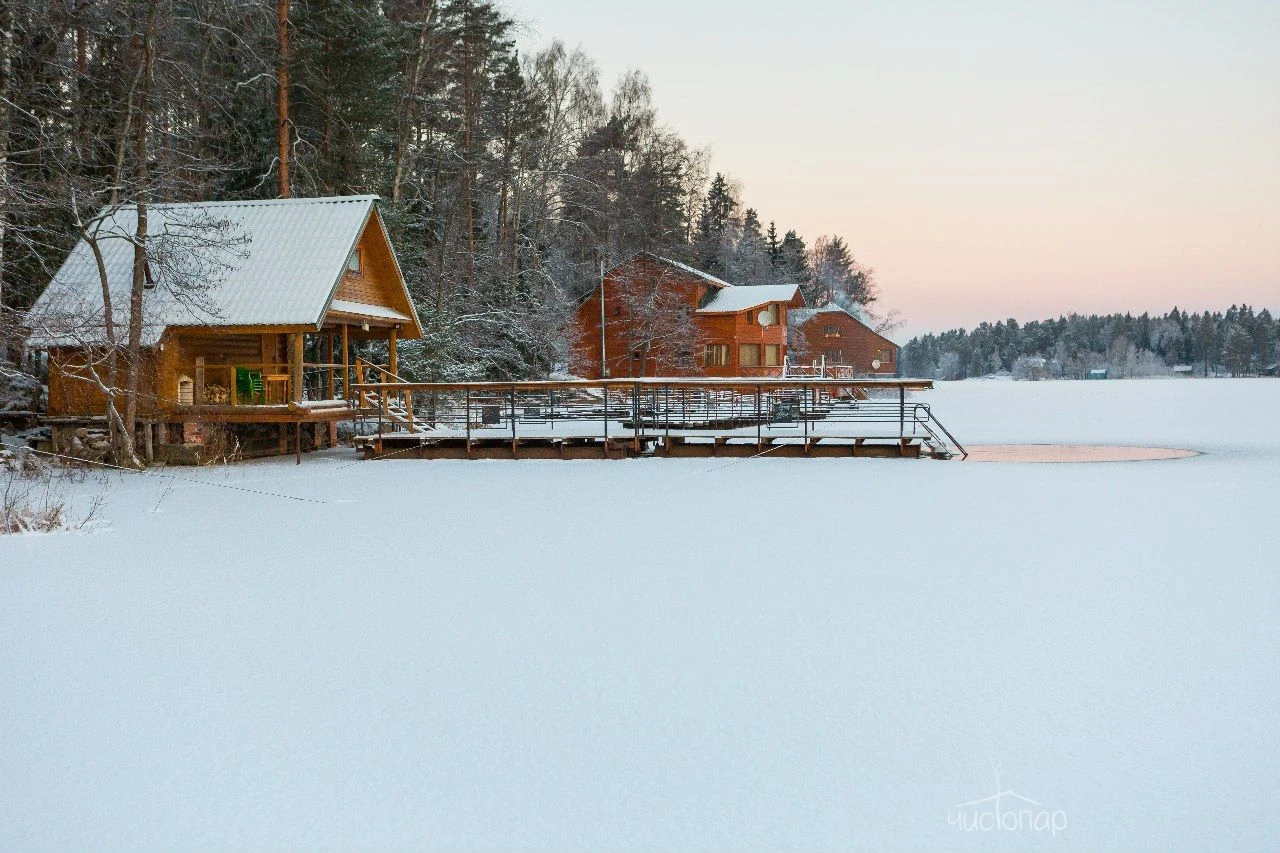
(766, 410)
(218, 385)
(394, 406)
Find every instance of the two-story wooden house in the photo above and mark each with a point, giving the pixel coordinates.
(659, 317)
(837, 339)
(253, 314)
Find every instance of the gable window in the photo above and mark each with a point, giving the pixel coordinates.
(716, 355)
(354, 265)
(749, 355)
(768, 315)
(831, 330)
(835, 356)
(885, 356)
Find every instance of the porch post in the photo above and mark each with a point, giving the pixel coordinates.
(198, 397)
(329, 370)
(295, 367)
(346, 362)
(393, 360)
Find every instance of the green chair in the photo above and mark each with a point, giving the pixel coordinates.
(249, 386)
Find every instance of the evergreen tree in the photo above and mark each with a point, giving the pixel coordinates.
(713, 224)
(793, 260)
(773, 246)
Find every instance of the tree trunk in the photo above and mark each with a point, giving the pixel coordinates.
(138, 285)
(6, 68)
(282, 95)
(111, 386)
(408, 115)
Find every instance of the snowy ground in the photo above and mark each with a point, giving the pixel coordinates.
(671, 654)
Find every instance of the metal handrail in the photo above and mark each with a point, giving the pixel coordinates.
(931, 418)
(766, 411)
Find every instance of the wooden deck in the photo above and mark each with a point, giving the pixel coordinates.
(408, 446)
(663, 417)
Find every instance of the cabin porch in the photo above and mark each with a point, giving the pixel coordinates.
(269, 376)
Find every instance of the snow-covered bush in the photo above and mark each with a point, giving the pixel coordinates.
(35, 496)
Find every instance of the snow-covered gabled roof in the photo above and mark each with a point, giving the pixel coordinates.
(705, 276)
(685, 268)
(734, 298)
(255, 263)
(800, 316)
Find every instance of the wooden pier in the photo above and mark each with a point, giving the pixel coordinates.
(655, 417)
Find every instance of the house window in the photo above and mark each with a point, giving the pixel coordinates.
(353, 262)
(771, 352)
(768, 316)
(749, 355)
(835, 356)
(831, 330)
(716, 355)
(885, 356)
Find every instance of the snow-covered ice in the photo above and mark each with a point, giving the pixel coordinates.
(670, 654)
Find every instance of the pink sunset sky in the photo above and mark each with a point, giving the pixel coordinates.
(989, 160)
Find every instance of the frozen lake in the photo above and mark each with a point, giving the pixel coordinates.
(768, 654)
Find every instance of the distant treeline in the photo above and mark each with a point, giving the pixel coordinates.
(1239, 341)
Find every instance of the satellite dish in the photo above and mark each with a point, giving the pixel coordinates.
(875, 364)
(766, 318)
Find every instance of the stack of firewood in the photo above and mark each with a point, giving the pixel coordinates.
(216, 395)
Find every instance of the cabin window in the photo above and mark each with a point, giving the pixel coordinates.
(835, 356)
(768, 316)
(187, 390)
(353, 262)
(885, 356)
(831, 330)
(749, 355)
(771, 355)
(716, 355)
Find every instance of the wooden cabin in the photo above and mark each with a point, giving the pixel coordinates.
(663, 318)
(833, 337)
(255, 312)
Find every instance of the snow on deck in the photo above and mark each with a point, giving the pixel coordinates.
(763, 654)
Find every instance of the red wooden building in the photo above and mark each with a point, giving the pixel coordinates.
(663, 318)
(836, 338)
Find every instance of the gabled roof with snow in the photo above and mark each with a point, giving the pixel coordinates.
(253, 263)
(705, 276)
(685, 268)
(800, 316)
(735, 298)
